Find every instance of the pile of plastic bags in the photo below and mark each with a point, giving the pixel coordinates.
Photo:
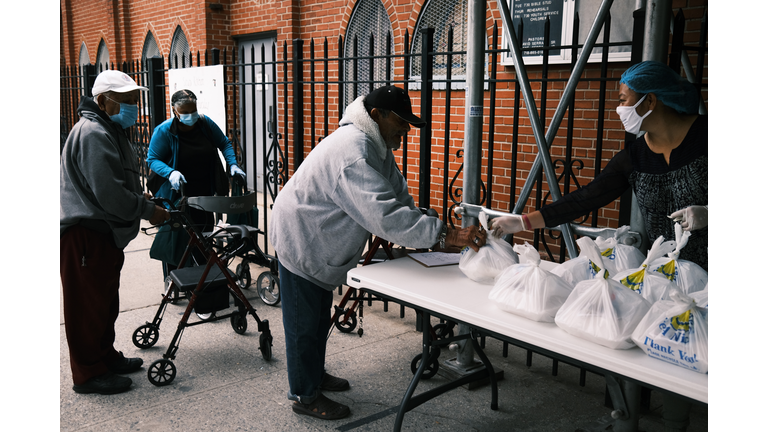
(611, 294)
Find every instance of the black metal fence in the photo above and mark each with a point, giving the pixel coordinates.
(309, 96)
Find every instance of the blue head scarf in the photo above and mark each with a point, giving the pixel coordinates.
(672, 90)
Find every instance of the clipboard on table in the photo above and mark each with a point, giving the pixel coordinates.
(435, 259)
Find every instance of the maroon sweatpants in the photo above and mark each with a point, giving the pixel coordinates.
(90, 267)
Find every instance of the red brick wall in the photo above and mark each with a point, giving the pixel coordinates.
(123, 24)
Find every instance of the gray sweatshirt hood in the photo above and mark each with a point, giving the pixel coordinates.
(358, 116)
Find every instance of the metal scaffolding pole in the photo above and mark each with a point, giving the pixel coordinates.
(543, 158)
(465, 361)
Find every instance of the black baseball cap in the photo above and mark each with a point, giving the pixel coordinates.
(396, 100)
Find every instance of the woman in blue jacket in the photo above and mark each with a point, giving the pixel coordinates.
(183, 149)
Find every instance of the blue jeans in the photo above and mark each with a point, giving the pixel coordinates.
(306, 322)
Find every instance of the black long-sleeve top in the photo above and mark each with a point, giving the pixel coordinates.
(660, 188)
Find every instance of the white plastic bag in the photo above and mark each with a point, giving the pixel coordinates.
(618, 256)
(688, 275)
(701, 297)
(675, 331)
(485, 265)
(527, 290)
(583, 267)
(649, 284)
(602, 311)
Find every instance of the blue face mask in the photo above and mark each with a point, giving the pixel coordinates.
(189, 119)
(127, 115)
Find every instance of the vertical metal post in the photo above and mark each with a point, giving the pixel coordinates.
(473, 112)
(298, 103)
(89, 75)
(473, 130)
(425, 142)
(656, 36)
(156, 78)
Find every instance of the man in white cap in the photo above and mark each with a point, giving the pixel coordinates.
(101, 205)
(348, 186)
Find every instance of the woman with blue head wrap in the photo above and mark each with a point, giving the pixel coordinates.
(666, 167)
(670, 88)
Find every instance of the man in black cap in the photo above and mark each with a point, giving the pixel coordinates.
(347, 188)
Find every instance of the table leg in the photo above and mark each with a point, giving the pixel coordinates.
(626, 403)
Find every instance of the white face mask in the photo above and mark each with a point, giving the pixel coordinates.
(630, 118)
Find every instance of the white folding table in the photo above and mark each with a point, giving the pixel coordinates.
(445, 292)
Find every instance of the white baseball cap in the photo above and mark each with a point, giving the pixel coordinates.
(116, 81)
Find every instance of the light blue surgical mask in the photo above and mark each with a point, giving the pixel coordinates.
(189, 119)
(127, 115)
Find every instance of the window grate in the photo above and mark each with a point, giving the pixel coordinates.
(368, 18)
(150, 48)
(180, 56)
(102, 56)
(441, 15)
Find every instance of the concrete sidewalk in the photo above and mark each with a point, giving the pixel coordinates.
(224, 384)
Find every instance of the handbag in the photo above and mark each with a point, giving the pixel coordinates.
(169, 245)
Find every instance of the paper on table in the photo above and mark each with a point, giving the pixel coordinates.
(436, 259)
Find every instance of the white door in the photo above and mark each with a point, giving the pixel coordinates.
(256, 99)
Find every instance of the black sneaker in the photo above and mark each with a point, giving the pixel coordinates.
(106, 384)
(331, 383)
(125, 365)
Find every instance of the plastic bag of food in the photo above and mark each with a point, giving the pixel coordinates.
(602, 311)
(483, 266)
(688, 275)
(527, 290)
(701, 297)
(618, 256)
(583, 267)
(675, 331)
(649, 284)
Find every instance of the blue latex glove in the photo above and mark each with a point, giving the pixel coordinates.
(235, 170)
(176, 178)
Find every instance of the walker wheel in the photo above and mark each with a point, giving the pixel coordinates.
(265, 345)
(269, 288)
(443, 331)
(345, 326)
(429, 371)
(239, 323)
(161, 372)
(145, 336)
(243, 272)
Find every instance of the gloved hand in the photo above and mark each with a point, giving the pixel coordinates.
(691, 218)
(235, 170)
(504, 225)
(176, 178)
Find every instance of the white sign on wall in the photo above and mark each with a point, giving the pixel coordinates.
(207, 82)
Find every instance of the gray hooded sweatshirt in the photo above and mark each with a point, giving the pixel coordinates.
(99, 177)
(347, 187)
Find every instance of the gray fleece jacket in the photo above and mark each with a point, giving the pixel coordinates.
(99, 177)
(347, 187)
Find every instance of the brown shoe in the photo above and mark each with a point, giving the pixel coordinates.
(322, 408)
